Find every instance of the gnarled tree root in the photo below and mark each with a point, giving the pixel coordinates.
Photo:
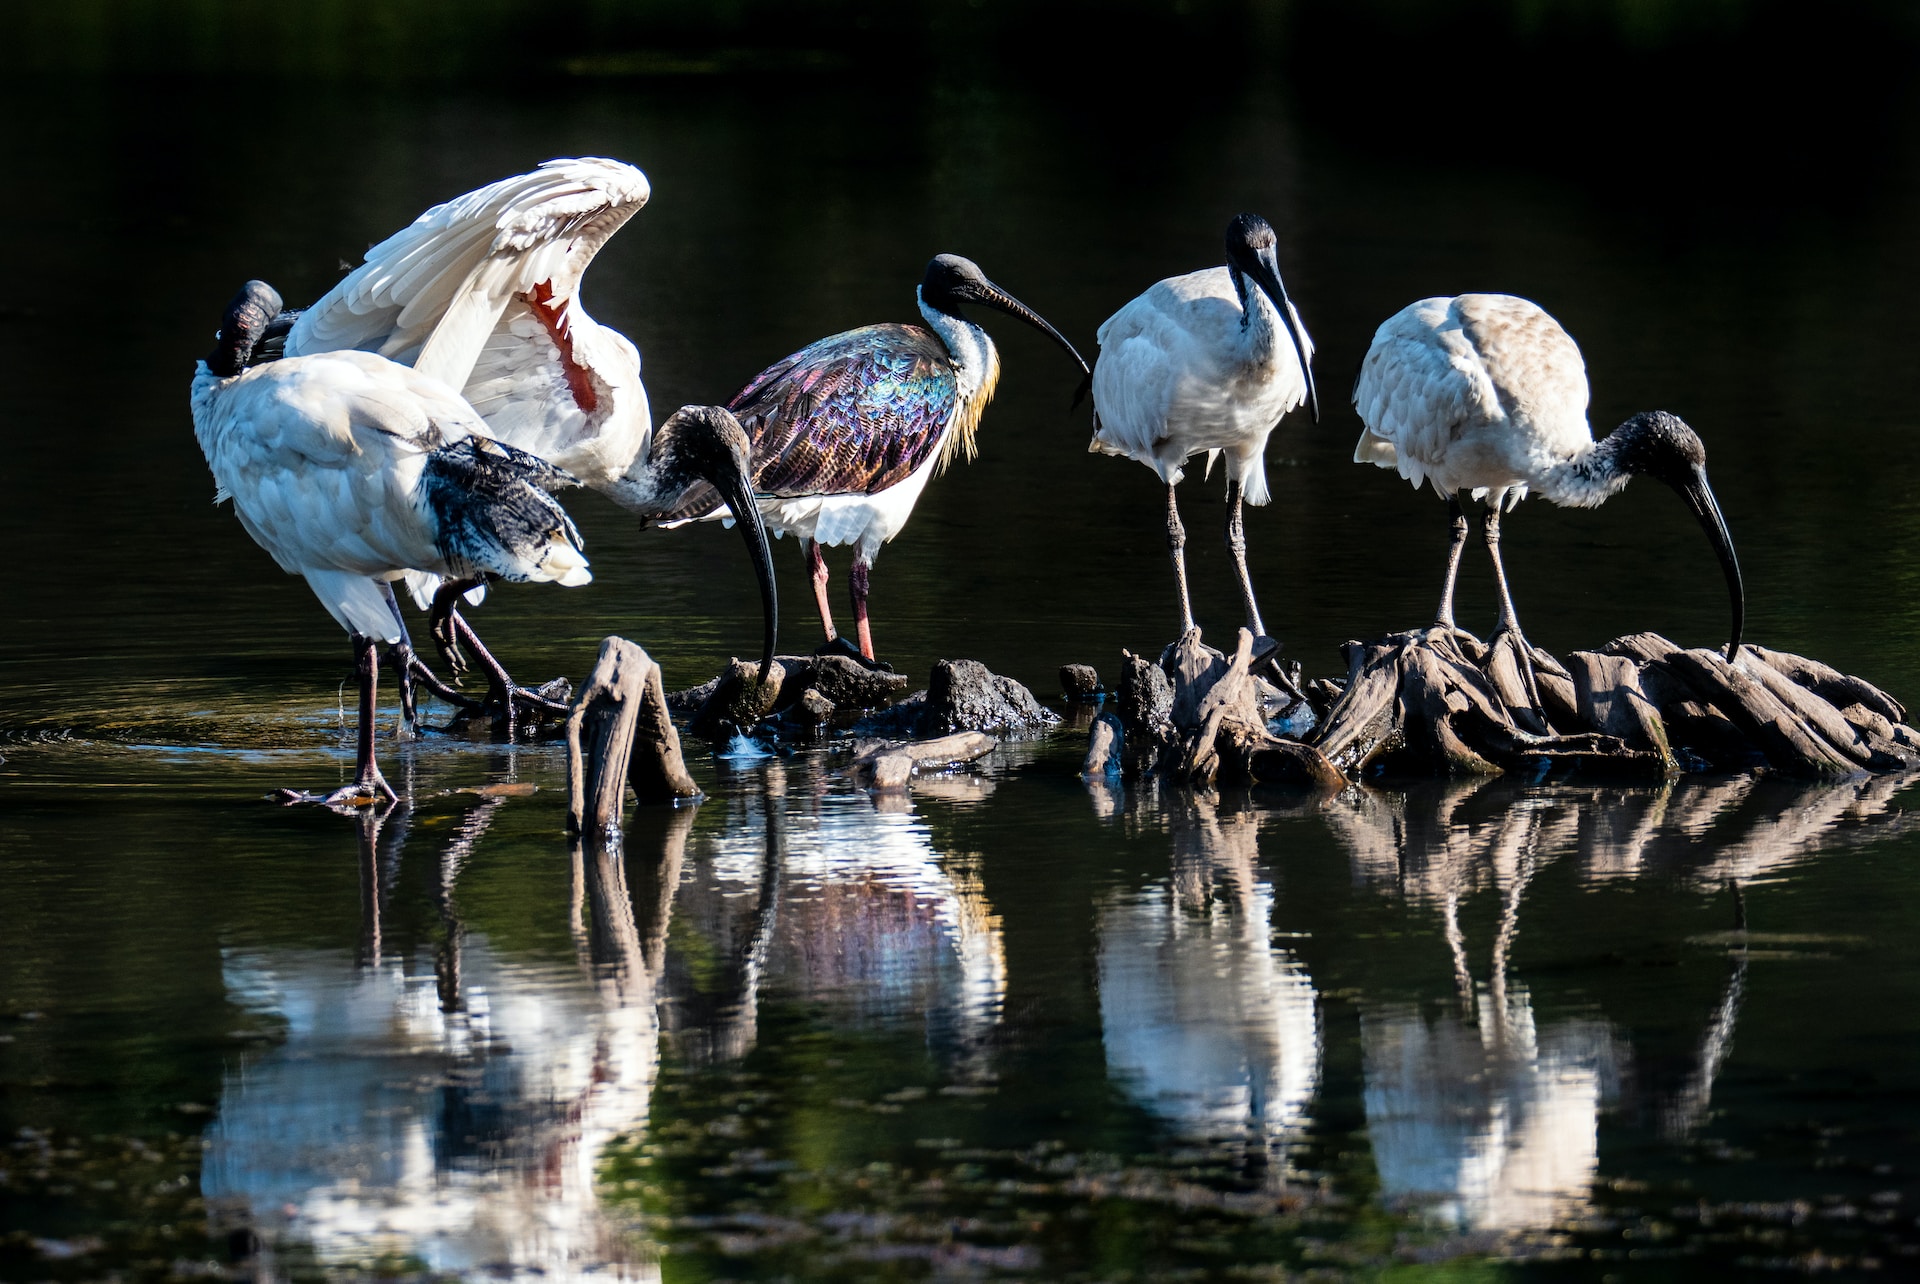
(1442, 702)
(1197, 718)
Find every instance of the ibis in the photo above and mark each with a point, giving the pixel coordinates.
(1207, 362)
(848, 431)
(1486, 394)
(352, 470)
(483, 292)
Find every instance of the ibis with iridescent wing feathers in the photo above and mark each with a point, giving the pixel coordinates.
(1486, 394)
(848, 431)
(352, 470)
(483, 292)
(1206, 363)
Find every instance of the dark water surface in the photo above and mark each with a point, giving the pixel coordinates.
(1016, 1025)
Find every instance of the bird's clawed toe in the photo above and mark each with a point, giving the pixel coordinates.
(845, 647)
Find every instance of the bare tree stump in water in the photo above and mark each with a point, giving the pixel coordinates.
(618, 735)
(1196, 718)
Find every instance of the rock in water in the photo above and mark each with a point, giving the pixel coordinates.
(963, 695)
(1080, 683)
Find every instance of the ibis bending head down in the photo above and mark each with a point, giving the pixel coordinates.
(1486, 394)
(483, 292)
(1206, 362)
(352, 470)
(848, 430)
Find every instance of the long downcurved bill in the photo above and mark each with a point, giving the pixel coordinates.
(738, 492)
(999, 298)
(1706, 509)
(1269, 278)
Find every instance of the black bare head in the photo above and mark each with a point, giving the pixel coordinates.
(1252, 255)
(952, 281)
(245, 321)
(706, 443)
(1661, 445)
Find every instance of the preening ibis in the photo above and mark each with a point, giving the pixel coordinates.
(483, 292)
(1209, 361)
(848, 430)
(352, 470)
(1485, 393)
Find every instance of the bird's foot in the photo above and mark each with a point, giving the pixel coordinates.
(841, 646)
(446, 640)
(369, 791)
(510, 706)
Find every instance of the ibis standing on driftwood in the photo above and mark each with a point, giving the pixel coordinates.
(1486, 394)
(483, 292)
(848, 430)
(1206, 362)
(353, 470)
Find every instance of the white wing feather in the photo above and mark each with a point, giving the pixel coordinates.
(482, 292)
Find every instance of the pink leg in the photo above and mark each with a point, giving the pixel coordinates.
(817, 570)
(859, 585)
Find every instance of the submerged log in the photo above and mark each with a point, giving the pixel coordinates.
(619, 734)
(738, 701)
(891, 764)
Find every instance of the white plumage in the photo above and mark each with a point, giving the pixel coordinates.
(483, 292)
(1205, 363)
(1185, 368)
(325, 458)
(1485, 394)
(352, 470)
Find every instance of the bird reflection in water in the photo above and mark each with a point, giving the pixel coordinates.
(816, 892)
(1206, 1023)
(449, 1109)
(1482, 1114)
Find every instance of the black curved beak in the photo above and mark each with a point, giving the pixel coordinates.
(1700, 500)
(736, 487)
(995, 297)
(1266, 272)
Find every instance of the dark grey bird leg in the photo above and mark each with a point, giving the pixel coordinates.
(446, 603)
(455, 637)
(409, 667)
(504, 696)
(1177, 548)
(1457, 519)
(1265, 646)
(369, 786)
(1237, 545)
(1509, 621)
(817, 572)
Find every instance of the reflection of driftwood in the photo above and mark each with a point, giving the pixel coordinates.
(890, 764)
(619, 735)
(1430, 701)
(1196, 718)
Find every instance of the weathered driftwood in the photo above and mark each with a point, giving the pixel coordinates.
(1431, 701)
(890, 764)
(1104, 741)
(619, 734)
(1197, 718)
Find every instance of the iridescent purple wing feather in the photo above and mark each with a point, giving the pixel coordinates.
(851, 414)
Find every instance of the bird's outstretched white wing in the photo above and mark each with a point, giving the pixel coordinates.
(482, 293)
